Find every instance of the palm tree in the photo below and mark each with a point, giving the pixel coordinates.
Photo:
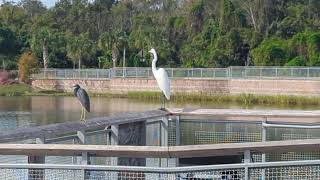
(79, 47)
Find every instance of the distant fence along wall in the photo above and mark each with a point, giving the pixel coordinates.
(233, 80)
(233, 72)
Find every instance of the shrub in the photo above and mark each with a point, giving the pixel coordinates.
(27, 64)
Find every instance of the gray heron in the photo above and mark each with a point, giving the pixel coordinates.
(84, 100)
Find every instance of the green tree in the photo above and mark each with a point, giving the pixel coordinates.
(79, 48)
(28, 64)
(271, 52)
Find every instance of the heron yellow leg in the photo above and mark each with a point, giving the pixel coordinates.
(84, 114)
(81, 117)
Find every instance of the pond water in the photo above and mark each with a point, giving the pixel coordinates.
(50, 109)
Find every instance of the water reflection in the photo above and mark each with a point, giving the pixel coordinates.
(46, 110)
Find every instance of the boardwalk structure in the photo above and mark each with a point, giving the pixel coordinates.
(165, 141)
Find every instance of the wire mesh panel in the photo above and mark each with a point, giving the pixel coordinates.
(286, 173)
(278, 134)
(204, 137)
(193, 132)
(172, 133)
(41, 174)
(230, 174)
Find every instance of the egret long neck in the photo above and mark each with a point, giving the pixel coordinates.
(154, 61)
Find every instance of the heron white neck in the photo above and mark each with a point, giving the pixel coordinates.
(154, 61)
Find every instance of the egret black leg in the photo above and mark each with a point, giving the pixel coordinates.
(163, 104)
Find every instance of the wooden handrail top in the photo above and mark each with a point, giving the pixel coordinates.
(56, 130)
(160, 152)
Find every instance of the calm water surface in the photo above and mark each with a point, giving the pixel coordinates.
(47, 110)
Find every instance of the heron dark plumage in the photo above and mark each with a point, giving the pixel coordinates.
(82, 96)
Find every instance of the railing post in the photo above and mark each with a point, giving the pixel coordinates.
(113, 139)
(74, 158)
(136, 72)
(245, 73)
(177, 136)
(84, 158)
(37, 159)
(308, 73)
(201, 72)
(247, 159)
(171, 72)
(164, 139)
(263, 156)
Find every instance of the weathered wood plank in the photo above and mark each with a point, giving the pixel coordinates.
(160, 152)
(55, 130)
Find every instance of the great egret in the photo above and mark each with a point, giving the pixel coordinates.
(161, 77)
(83, 97)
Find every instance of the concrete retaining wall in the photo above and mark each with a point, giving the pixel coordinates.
(275, 87)
(209, 86)
(123, 85)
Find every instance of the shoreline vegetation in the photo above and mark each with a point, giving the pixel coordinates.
(245, 99)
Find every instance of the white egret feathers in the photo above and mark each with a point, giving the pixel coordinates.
(161, 76)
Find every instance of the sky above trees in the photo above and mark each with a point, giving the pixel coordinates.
(47, 3)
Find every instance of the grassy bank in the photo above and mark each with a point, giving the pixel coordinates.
(15, 90)
(246, 99)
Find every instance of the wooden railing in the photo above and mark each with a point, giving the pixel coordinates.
(159, 152)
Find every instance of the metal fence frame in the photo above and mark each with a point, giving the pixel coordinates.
(245, 170)
(233, 72)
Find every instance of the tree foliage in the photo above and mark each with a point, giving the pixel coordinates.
(27, 64)
(188, 33)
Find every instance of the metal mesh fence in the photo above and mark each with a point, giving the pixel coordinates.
(193, 132)
(73, 74)
(245, 72)
(205, 132)
(284, 172)
(241, 72)
(65, 174)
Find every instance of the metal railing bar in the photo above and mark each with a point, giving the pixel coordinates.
(290, 126)
(162, 169)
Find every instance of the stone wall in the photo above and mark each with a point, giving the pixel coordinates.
(123, 85)
(274, 87)
(209, 86)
